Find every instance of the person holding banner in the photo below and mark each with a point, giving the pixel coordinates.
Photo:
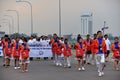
(24, 54)
(3, 49)
(16, 53)
(115, 47)
(80, 50)
(67, 53)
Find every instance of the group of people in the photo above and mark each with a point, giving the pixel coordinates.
(87, 51)
(17, 49)
(99, 48)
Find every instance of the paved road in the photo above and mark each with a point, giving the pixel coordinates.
(46, 70)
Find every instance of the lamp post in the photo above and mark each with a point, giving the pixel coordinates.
(60, 18)
(104, 27)
(12, 22)
(17, 17)
(31, 13)
(8, 23)
(9, 26)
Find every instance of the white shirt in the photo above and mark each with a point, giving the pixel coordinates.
(30, 41)
(34, 40)
(20, 41)
(44, 42)
(108, 44)
(61, 41)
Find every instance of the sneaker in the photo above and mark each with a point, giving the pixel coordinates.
(60, 64)
(79, 69)
(88, 63)
(99, 74)
(69, 66)
(117, 69)
(57, 64)
(102, 73)
(26, 70)
(8, 65)
(3, 64)
(15, 67)
(18, 67)
(83, 68)
(98, 71)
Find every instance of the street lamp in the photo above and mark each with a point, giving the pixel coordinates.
(17, 17)
(60, 18)
(31, 14)
(12, 21)
(104, 27)
(8, 24)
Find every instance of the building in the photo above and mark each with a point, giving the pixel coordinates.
(2, 34)
(86, 24)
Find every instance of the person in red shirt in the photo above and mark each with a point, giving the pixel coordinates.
(115, 47)
(16, 53)
(2, 43)
(66, 47)
(93, 50)
(58, 52)
(24, 52)
(8, 51)
(80, 50)
(88, 43)
(53, 49)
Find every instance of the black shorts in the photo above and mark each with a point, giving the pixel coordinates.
(108, 52)
(88, 52)
(79, 57)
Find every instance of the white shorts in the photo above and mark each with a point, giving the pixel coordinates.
(25, 61)
(8, 56)
(100, 58)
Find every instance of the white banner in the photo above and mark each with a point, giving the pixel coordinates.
(1, 53)
(37, 50)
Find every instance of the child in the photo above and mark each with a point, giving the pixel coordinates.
(8, 51)
(94, 50)
(25, 55)
(67, 53)
(58, 52)
(108, 43)
(2, 43)
(88, 42)
(16, 53)
(53, 49)
(115, 47)
(80, 48)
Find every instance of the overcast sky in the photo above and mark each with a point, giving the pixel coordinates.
(45, 15)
